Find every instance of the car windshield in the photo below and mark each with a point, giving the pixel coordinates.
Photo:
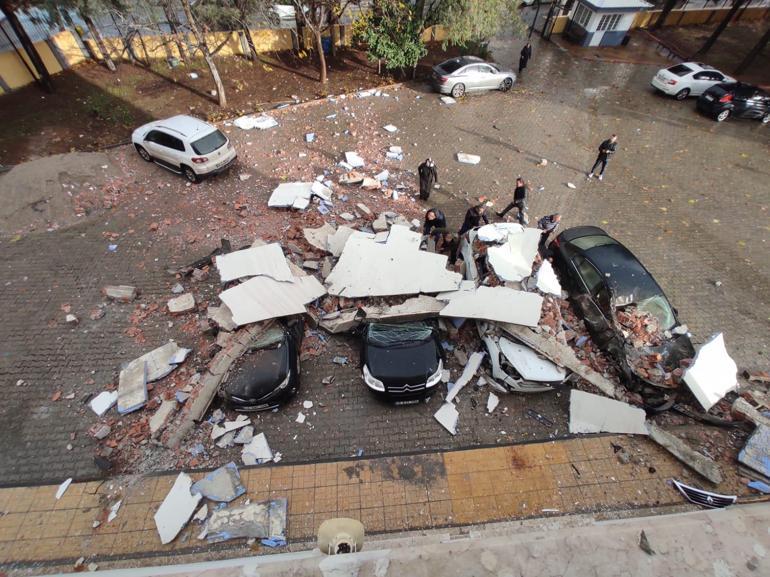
(680, 70)
(389, 335)
(592, 241)
(270, 339)
(451, 66)
(209, 143)
(658, 307)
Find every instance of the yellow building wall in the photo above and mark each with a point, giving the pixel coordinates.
(560, 24)
(16, 75)
(696, 17)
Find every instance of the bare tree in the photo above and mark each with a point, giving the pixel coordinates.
(203, 47)
(315, 15)
(754, 52)
(173, 25)
(43, 78)
(707, 45)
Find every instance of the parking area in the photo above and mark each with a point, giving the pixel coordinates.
(687, 195)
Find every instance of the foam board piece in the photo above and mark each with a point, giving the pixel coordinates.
(513, 260)
(498, 304)
(267, 260)
(713, 373)
(262, 298)
(589, 413)
(176, 509)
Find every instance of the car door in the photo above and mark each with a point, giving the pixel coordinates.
(471, 78)
(153, 144)
(701, 81)
(177, 153)
(593, 291)
(744, 105)
(488, 77)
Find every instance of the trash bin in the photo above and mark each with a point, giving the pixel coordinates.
(326, 44)
(626, 40)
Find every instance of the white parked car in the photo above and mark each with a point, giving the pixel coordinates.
(185, 145)
(688, 79)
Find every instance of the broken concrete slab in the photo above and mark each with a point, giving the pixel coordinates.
(162, 415)
(352, 177)
(258, 520)
(222, 317)
(318, 237)
(347, 216)
(354, 160)
(713, 373)
(464, 158)
(498, 304)
(244, 436)
(448, 100)
(336, 241)
(222, 485)
(363, 208)
(286, 193)
(341, 321)
(132, 387)
(121, 293)
(181, 304)
(163, 360)
(547, 281)
(498, 231)
(529, 364)
(474, 362)
(267, 260)
(674, 445)
(397, 267)
(413, 309)
(741, 408)
(103, 402)
(229, 426)
(563, 356)
(756, 452)
(589, 413)
(176, 509)
(262, 298)
(257, 451)
(447, 416)
(513, 260)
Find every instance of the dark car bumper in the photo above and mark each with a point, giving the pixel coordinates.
(709, 107)
(267, 403)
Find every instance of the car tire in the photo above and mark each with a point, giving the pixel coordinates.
(682, 94)
(189, 174)
(143, 153)
(722, 116)
(458, 90)
(766, 118)
(506, 84)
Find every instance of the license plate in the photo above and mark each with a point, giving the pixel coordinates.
(221, 164)
(709, 97)
(413, 402)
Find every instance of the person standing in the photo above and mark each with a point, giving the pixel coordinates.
(606, 150)
(547, 224)
(524, 56)
(435, 227)
(519, 202)
(428, 177)
(473, 218)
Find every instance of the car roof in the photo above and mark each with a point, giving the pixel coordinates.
(463, 60)
(186, 126)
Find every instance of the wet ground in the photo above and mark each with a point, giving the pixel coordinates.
(687, 195)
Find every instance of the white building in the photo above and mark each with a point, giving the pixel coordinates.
(603, 22)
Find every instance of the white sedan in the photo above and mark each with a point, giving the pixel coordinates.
(185, 145)
(688, 79)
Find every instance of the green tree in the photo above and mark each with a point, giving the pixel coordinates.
(392, 35)
(474, 22)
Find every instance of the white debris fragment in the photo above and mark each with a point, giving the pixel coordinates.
(300, 418)
(257, 451)
(228, 426)
(114, 511)
(448, 100)
(513, 260)
(468, 158)
(547, 281)
(286, 193)
(176, 509)
(590, 413)
(492, 402)
(713, 373)
(473, 364)
(390, 128)
(307, 404)
(448, 416)
(570, 185)
(103, 402)
(63, 488)
(354, 160)
(248, 122)
(382, 176)
(497, 304)
(181, 304)
(267, 260)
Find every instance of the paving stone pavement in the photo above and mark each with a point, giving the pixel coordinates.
(687, 195)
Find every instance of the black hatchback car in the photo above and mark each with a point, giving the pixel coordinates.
(401, 363)
(602, 276)
(738, 100)
(268, 373)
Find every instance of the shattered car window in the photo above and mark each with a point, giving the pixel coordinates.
(586, 242)
(390, 335)
(658, 307)
(271, 338)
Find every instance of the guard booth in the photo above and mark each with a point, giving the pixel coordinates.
(603, 22)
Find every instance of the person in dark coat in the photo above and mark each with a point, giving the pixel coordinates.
(428, 177)
(519, 202)
(606, 150)
(434, 225)
(547, 224)
(473, 218)
(524, 56)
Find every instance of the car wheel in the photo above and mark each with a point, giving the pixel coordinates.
(682, 94)
(506, 84)
(722, 116)
(189, 174)
(143, 153)
(766, 118)
(458, 90)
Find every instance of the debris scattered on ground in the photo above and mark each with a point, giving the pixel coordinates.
(474, 362)
(499, 304)
(120, 293)
(390, 128)
(712, 374)
(150, 367)
(756, 452)
(63, 488)
(249, 122)
(114, 511)
(161, 417)
(103, 402)
(266, 260)
(674, 445)
(570, 185)
(176, 509)
(223, 484)
(448, 100)
(448, 416)
(492, 401)
(218, 431)
(589, 413)
(644, 544)
(257, 452)
(468, 158)
(181, 304)
(757, 376)
(260, 520)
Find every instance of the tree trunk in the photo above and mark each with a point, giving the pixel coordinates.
(44, 78)
(321, 56)
(203, 47)
(300, 26)
(250, 43)
(754, 52)
(719, 29)
(97, 36)
(125, 39)
(172, 24)
(163, 37)
(667, 8)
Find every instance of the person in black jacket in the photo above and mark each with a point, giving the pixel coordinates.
(428, 177)
(524, 56)
(473, 218)
(519, 202)
(435, 226)
(606, 150)
(548, 224)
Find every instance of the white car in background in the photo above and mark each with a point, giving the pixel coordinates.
(185, 145)
(688, 79)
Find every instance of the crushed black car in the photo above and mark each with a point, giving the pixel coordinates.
(401, 363)
(268, 373)
(622, 305)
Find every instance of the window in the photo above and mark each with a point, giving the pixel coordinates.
(209, 143)
(591, 241)
(582, 15)
(451, 65)
(608, 22)
(589, 275)
(680, 70)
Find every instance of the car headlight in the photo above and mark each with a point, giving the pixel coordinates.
(435, 378)
(285, 382)
(371, 382)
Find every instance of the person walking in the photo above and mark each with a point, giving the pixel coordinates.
(547, 224)
(524, 56)
(473, 218)
(606, 150)
(519, 202)
(428, 177)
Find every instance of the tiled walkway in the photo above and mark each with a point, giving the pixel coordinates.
(386, 494)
